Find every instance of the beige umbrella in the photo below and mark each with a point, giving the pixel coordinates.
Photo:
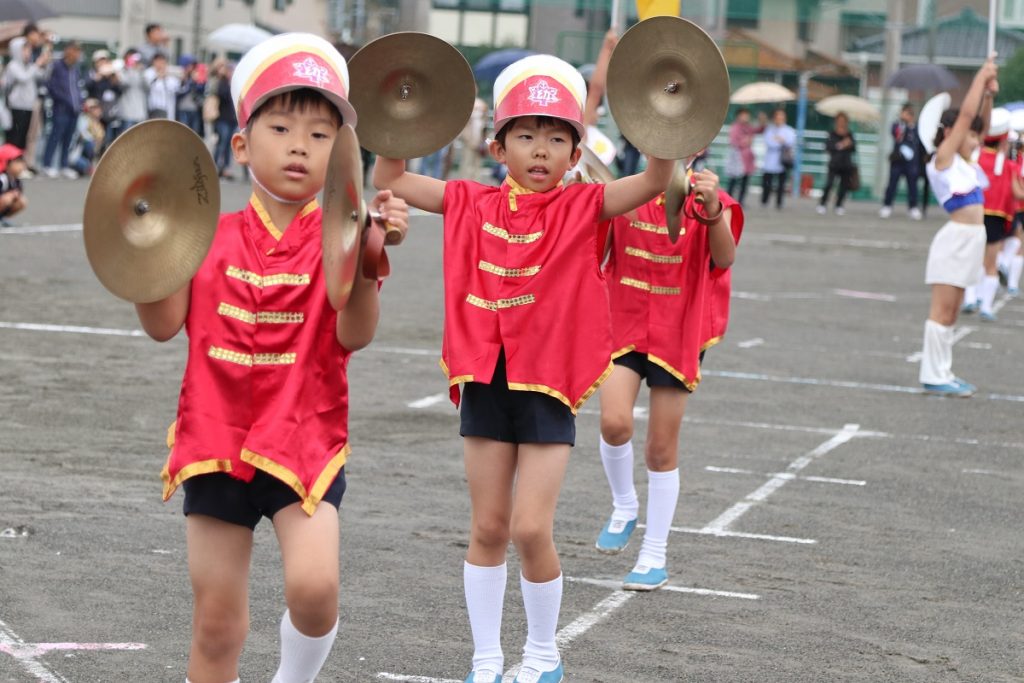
(856, 108)
(757, 93)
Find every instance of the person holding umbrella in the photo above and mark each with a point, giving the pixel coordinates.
(903, 162)
(840, 146)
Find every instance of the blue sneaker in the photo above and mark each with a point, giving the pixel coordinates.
(644, 578)
(615, 536)
(483, 676)
(971, 307)
(987, 317)
(956, 388)
(530, 675)
(1013, 292)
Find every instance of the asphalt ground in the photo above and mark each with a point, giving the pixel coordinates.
(834, 523)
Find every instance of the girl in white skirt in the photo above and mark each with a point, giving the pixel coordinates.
(957, 250)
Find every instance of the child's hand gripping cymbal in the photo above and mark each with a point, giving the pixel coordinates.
(704, 185)
(393, 213)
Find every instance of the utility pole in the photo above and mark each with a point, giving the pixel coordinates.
(893, 49)
(197, 18)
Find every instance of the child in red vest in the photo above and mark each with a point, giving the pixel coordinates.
(527, 331)
(262, 427)
(670, 303)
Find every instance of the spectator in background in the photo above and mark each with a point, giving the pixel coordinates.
(104, 86)
(163, 89)
(156, 43)
(22, 79)
(12, 196)
(134, 104)
(472, 138)
(189, 97)
(226, 122)
(779, 143)
(39, 44)
(904, 161)
(628, 158)
(840, 146)
(65, 90)
(90, 134)
(740, 163)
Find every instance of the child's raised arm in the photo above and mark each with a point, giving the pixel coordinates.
(975, 103)
(163, 319)
(420, 191)
(625, 194)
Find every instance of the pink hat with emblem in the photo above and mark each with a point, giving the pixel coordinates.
(290, 61)
(540, 85)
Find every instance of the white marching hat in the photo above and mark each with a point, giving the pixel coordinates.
(540, 85)
(999, 123)
(290, 61)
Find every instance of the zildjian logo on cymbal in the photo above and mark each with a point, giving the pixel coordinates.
(199, 182)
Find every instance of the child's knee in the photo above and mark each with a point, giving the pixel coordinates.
(219, 633)
(531, 534)
(313, 599)
(616, 428)
(491, 530)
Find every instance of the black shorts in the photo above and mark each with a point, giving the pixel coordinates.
(656, 375)
(1018, 220)
(493, 411)
(231, 500)
(996, 229)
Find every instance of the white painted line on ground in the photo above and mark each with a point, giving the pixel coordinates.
(972, 471)
(959, 334)
(34, 650)
(41, 229)
(888, 245)
(427, 401)
(871, 296)
(12, 644)
(588, 620)
(617, 585)
(740, 534)
(74, 329)
(820, 480)
(976, 345)
(727, 518)
(751, 343)
(403, 351)
(383, 675)
(813, 381)
(1006, 397)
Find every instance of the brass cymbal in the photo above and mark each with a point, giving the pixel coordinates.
(414, 94)
(344, 215)
(595, 168)
(668, 87)
(151, 211)
(675, 197)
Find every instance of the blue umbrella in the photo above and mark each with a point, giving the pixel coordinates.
(491, 64)
(1013, 106)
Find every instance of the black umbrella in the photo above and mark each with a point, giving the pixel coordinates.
(24, 10)
(924, 77)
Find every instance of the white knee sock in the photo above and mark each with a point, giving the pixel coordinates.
(662, 495)
(937, 354)
(987, 292)
(1011, 245)
(485, 599)
(618, 467)
(302, 656)
(542, 602)
(1016, 268)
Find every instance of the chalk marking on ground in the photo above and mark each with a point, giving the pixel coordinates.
(738, 534)
(28, 654)
(383, 675)
(759, 495)
(428, 401)
(617, 585)
(41, 229)
(73, 329)
(870, 296)
(820, 480)
(751, 343)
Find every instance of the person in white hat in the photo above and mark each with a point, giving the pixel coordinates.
(958, 248)
(1001, 196)
(527, 330)
(262, 424)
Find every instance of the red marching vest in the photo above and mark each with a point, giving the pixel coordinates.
(667, 300)
(521, 273)
(999, 199)
(265, 385)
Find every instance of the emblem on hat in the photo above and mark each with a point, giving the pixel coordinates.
(543, 94)
(313, 71)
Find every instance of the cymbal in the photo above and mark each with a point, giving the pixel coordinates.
(344, 215)
(151, 211)
(668, 87)
(414, 94)
(595, 168)
(675, 197)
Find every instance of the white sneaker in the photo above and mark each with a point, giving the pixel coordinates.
(26, 175)
(915, 214)
(840, 211)
(821, 209)
(51, 172)
(69, 173)
(885, 212)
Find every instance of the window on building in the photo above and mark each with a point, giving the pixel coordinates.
(1013, 12)
(512, 6)
(743, 13)
(280, 5)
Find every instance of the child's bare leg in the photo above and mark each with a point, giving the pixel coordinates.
(309, 551)
(618, 396)
(19, 205)
(490, 471)
(539, 480)
(218, 561)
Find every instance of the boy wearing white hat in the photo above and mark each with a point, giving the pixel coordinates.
(262, 425)
(527, 331)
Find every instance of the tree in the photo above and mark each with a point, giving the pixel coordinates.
(1011, 79)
